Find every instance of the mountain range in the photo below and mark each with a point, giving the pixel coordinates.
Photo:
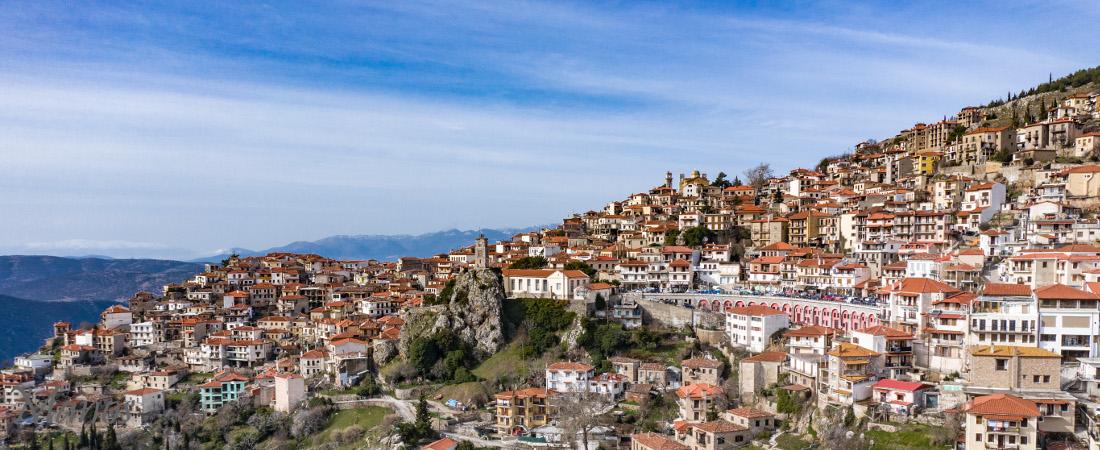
(381, 247)
(26, 323)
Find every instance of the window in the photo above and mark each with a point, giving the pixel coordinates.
(1002, 364)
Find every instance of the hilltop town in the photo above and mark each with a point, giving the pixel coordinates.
(939, 288)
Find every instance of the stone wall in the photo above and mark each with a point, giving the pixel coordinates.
(678, 316)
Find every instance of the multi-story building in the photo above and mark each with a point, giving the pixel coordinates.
(520, 411)
(752, 327)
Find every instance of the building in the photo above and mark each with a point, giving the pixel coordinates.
(569, 376)
(852, 370)
(1001, 421)
(697, 400)
(1010, 367)
(522, 410)
(758, 372)
(544, 283)
(654, 441)
(223, 387)
(290, 391)
(143, 406)
(1069, 321)
(900, 397)
(701, 370)
(752, 327)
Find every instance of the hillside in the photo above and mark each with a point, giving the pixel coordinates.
(55, 278)
(383, 247)
(27, 322)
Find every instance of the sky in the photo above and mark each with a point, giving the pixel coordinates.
(176, 129)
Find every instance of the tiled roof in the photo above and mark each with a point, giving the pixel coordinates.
(1002, 405)
(1012, 350)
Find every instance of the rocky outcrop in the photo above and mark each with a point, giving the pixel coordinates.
(473, 313)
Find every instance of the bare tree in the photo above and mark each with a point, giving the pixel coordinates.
(579, 412)
(759, 175)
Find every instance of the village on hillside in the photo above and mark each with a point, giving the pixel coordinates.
(936, 289)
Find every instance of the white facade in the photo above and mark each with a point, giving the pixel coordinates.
(751, 327)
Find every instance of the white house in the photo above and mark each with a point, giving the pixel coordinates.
(143, 405)
(116, 316)
(290, 391)
(752, 326)
(544, 283)
(569, 376)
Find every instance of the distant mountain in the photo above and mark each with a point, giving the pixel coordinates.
(26, 323)
(96, 279)
(382, 247)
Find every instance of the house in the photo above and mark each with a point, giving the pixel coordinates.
(290, 391)
(900, 397)
(568, 376)
(520, 411)
(654, 441)
(1068, 321)
(143, 406)
(701, 370)
(544, 283)
(224, 387)
(714, 435)
(807, 347)
(696, 401)
(894, 344)
(753, 326)
(755, 420)
(1001, 421)
(1011, 367)
(758, 372)
(852, 370)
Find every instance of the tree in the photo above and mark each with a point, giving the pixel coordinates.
(465, 445)
(778, 198)
(420, 429)
(736, 181)
(528, 262)
(696, 236)
(581, 266)
(720, 181)
(579, 412)
(759, 175)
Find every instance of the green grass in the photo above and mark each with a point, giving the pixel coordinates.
(791, 442)
(908, 437)
(505, 362)
(197, 378)
(367, 417)
(669, 352)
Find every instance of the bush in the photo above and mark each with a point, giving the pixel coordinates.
(529, 262)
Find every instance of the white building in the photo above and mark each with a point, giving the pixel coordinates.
(752, 326)
(1068, 321)
(569, 376)
(290, 391)
(544, 283)
(144, 334)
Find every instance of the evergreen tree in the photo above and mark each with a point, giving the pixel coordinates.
(83, 437)
(49, 443)
(111, 441)
(186, 442)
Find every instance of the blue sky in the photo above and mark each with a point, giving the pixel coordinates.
(178, 128)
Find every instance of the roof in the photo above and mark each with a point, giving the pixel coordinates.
(701, 362)
(810, 331)
(1012, 350)
(1063, 292)
(1007, 290)
(698, 390)
(570, 366)
(898, 385)
(442, 444)
(754, 310)
(1002, 405)
(719, 426)
(847, 349)
(889, 333)
(143, 391)
(654, 441)
(921, 285)
(767, 357)
(750, 413)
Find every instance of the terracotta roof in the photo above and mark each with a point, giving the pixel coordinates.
(1002, 405)
(1063, 292)
(719, 426)
(654, 441)
(811, 331)
(750, 413)
(442, 444)
(570, 366)
(898, 385)
(1007, 290)
(701, 362)
(889, 333)
(699, 390)
(767, 357)
(755, 310)
(922, 286)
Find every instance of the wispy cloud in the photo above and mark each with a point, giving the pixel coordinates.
(225, 124)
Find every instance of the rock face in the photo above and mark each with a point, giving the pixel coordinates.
(473, 314)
